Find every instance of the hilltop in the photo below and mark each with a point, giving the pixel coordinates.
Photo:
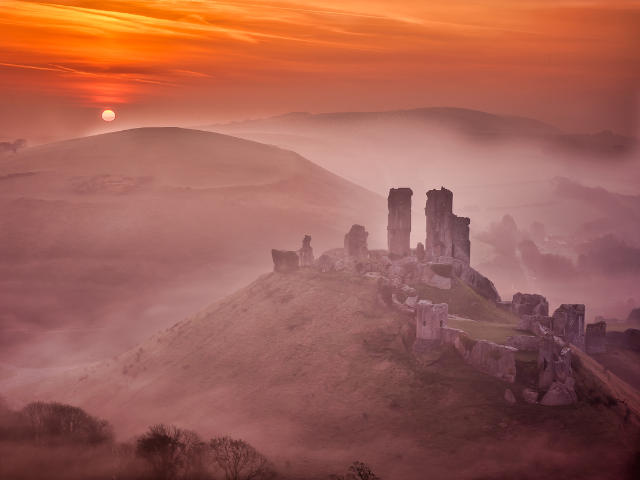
(310, 368)
(472, 124)
(109, 237)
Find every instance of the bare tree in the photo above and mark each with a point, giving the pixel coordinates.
(172, 453)
(357, 471)
(239, 460)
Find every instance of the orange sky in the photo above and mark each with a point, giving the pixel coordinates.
(572, 63)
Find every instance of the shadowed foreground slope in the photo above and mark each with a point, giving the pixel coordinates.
(310, 369)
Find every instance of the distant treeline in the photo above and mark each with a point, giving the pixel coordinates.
(57, 441)
(13, 146)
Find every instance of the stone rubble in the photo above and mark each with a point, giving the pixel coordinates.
(559, 394)
(402, 275)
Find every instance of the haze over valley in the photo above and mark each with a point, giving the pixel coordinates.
(304, 240)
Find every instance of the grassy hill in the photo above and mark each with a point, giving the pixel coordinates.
(106, 238)
(310, 369)
(465, 302)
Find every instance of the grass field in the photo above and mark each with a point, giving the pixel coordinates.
(465, 302)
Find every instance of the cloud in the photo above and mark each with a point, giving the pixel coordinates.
(609, 255)
(548, 266)
(503, 236)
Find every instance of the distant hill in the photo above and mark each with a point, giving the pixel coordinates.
(473, 124)
(106, 238)
(311, 369)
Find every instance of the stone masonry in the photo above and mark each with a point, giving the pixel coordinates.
(306, 252)
(447, 234)
(596, 338)
(529, 304)
(568, 322)
(284, 260)
(430, 319)
(399, 222)
(355, 242)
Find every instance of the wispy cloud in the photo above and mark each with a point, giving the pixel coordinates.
(149, 47)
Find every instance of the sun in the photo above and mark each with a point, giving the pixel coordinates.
(108, 115)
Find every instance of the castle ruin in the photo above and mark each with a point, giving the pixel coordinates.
(399, 222)
(430, 319)
(401, 273)
(596, 338)
(447, 234)
(355, 242)
(306, 252)
(568, 322)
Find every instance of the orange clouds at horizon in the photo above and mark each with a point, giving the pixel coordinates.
(160, 59)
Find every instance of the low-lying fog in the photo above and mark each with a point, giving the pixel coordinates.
(106, 240)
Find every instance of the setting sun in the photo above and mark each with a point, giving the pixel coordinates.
(108, 115)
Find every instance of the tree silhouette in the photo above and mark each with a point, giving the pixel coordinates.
(357, 471)
(239, 460)
(172, 453)
(51, 421)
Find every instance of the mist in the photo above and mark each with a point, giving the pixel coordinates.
(558, 221)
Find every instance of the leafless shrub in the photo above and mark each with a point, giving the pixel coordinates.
(238, 460)
(357, 471)
(171, 452)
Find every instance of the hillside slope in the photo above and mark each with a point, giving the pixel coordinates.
(310, 369)
(105, 239)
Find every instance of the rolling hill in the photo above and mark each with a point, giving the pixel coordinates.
(310, 369)
(105, 239)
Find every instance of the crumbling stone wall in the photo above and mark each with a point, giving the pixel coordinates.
(554, 372)
(461, 245)
(399, 222)
(447, 234)
(568, 322)
(494, 359)
(537, 324)
(284, 261)
(554, 361)
(355, 242)
(524, 343)
(596, 338)
(306, 252)
(430, 319)
(529, 304)
(488, 357)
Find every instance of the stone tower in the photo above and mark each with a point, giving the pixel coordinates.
(399, 222)
(438, 210)
(447, 234)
